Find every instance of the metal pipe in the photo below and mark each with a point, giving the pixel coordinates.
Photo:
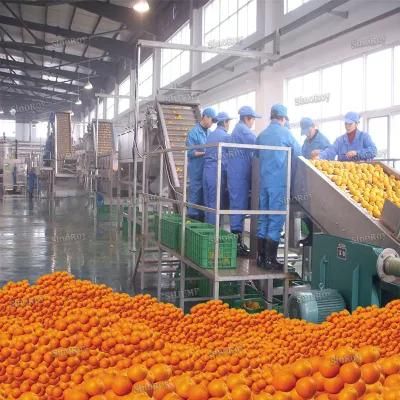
(392, 266)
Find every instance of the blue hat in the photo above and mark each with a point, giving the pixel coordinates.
(223, 116)
(247, 111)
(209, 112)
(279, 110)
(351, 117)
(305, 125)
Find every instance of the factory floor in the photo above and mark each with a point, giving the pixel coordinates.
(39, 236)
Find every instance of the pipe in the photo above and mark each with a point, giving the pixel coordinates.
(392, 266)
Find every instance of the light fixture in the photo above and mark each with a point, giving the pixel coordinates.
(72, 113)
(78, 101)
(141, 6)
(88, 85)
(13, 111)
(1, 111)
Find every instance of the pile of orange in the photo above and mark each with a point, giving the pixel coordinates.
(368, 184)
(69, 339)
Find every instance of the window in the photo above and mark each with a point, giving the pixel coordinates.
(175, 63)
(226, 22)
(352, 85)
(146, 78)
(7, 127)
(124, 90)
(41, 130)
(332, 129)
(395, 137)
(331, 78)
(396, 84)
(379, 82)
(110, 106)
(378, 130)
(101, 110)
(232, 105)
(291, 5)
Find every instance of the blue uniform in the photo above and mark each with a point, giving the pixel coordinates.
(196, 136)
(318, 142)
(273, 176)
(362, 144)
(220, 135)
(239, 173)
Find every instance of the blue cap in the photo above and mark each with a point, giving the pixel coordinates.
(223, 116)
(209, 112)
(352, 117)
(305, 125)
(247, 111)
(279, 110)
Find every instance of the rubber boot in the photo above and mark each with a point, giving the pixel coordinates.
(271, 254)
(261, 252)
(242, 249)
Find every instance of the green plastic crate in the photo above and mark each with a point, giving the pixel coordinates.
(200, 245)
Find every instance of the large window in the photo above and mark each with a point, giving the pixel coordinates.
(232, 105)
(395, 137)
(291, 5)
(110, 106)
(362, 84)
(124, 90)
(41, 130)
(100, 110)
(7, 128)
(226, 22)
(175, 63)
(146, 78)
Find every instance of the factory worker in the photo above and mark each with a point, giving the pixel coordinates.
(219, 135)
(315, 140)
(239, 173)
(197, 136)
(354, 145)
(273, 178)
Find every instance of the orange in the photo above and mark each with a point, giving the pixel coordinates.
(329, 368)
(197, 392)
(241, 392)
(306, 387)
(137, 373)
(217, 388)
(370, 373)
(75, 394)
(350, 372)
(160, 372)
(284, 381)
(121, 385)
(234, 380)
(333, 385)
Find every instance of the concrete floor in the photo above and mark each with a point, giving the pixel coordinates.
(39, 236)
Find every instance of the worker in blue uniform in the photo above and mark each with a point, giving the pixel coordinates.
(219, 135)
(315, 140)
(354, 145)
(239, 173)
(273, 178)
(32, 182)
(197, 136)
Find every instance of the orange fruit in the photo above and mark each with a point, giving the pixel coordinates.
(370, 373)
(241, 392)
(121, 385)
(306, 387)
(197, 392)
(350, 372)
(329, 368)
(217, 388)
(137, 373)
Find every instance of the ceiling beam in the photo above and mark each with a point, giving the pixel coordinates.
(100, 66)
(23, 66)
(38, 90)
(113, 46)
(39, 81)
(121, 14)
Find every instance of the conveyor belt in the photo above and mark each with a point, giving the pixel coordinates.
(175, 122)
(335, 211)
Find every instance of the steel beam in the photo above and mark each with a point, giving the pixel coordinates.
(235, 53)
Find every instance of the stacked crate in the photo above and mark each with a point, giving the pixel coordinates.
(63, 138)
(104, 138)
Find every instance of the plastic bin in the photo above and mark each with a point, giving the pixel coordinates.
(200, 246)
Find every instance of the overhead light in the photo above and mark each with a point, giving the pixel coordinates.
(78, 102)
(72, 114)
(1, 111)
(88, 85)
(141, 6)
(13, 111)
